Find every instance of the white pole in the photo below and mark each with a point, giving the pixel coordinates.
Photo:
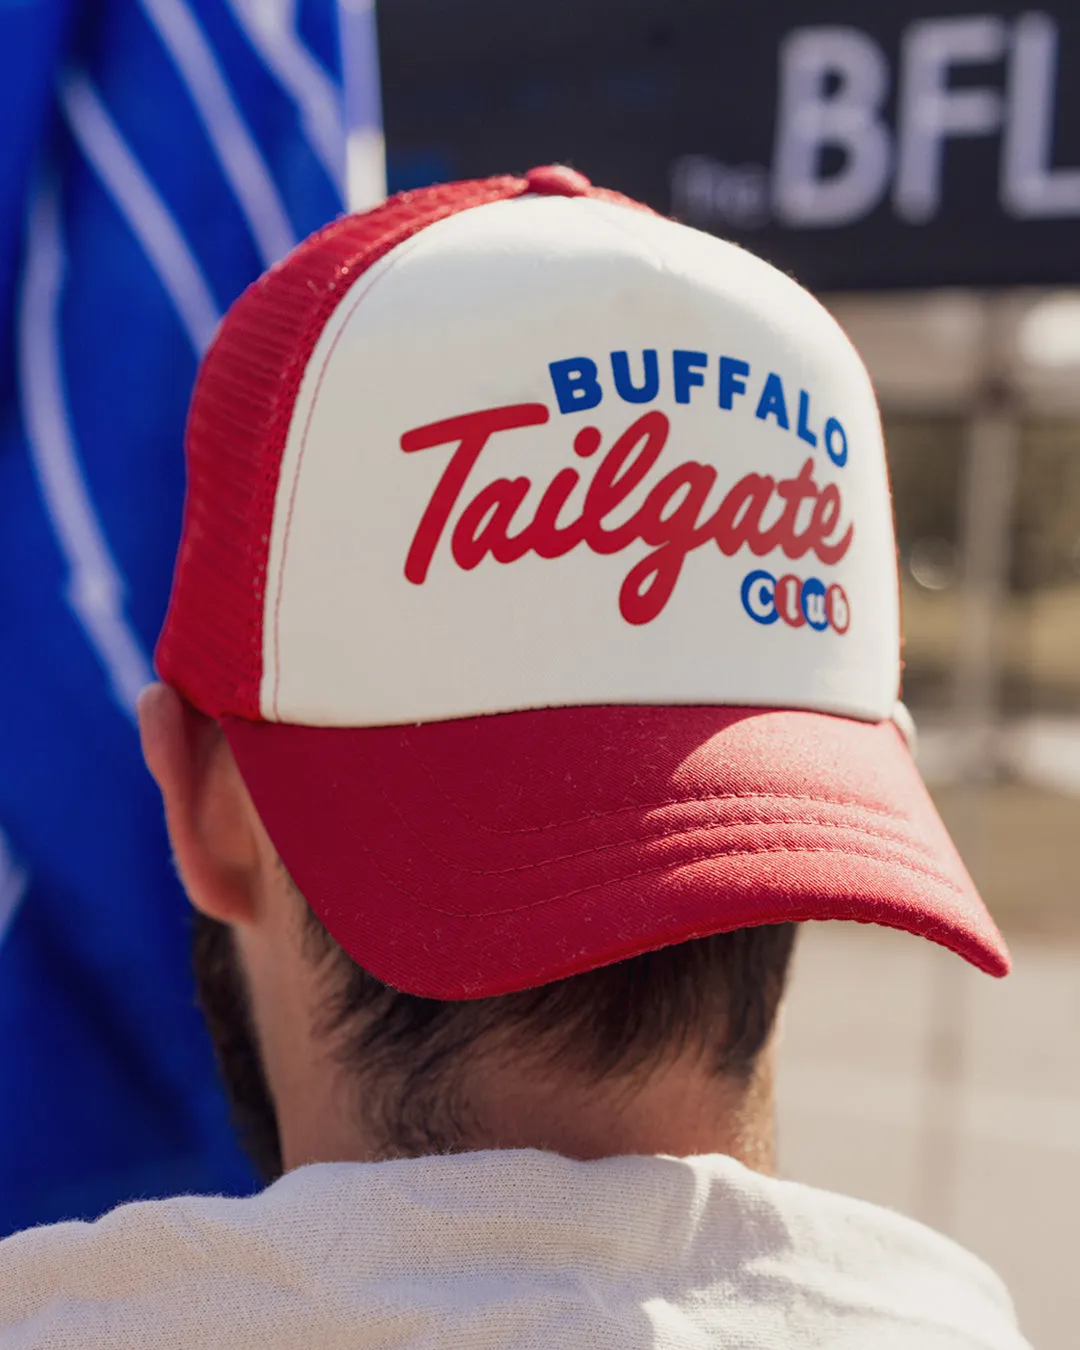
(365, 146)
(988, 488)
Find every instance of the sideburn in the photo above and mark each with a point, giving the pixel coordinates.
(222, 997)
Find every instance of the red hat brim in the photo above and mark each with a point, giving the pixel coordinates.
(475, 857)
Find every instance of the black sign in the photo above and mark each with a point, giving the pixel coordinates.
(871, 144)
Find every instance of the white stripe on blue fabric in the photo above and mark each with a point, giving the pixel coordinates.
(14, 880)
(365, 153)
(270, 27)
(94, 590)
(137, 200)
(231, 141)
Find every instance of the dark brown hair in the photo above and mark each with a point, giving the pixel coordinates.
(717, 996)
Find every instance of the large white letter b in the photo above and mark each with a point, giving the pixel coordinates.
(812, 116)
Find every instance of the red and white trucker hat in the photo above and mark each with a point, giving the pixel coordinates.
(538, 562)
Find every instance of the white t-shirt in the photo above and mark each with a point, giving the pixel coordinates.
(503, 1251)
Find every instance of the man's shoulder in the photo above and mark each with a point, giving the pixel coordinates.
(80, 1282)
(851, 1251)
(543, 1250)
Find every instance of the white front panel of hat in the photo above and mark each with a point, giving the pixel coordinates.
(662, 482)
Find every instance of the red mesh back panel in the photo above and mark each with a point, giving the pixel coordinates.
(211, 645)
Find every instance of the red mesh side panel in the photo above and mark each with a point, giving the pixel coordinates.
(211, 645)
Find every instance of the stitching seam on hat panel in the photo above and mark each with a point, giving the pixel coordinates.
(706, 856)
(887, 813)
(816, 821)
(389, 259)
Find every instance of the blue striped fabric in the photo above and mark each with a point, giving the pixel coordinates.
(158, 155)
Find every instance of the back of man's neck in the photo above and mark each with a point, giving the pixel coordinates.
(680, 1110)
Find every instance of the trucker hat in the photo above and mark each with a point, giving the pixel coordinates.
(538, 562)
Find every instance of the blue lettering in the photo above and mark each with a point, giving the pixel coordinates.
(576, 385)
(624, 386)
(686, 368)
(772, 402)
(833, 429)
(759, 597)
(805, 434)
(731, 368)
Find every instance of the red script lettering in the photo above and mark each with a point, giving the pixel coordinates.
(672, 521)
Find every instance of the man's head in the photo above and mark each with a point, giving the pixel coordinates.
(538, 596)
(668, 1051)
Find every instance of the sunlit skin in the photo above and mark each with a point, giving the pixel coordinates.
(231, 873)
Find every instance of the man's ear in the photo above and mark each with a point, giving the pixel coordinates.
(208, 812)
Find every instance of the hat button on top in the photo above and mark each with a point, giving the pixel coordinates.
(556, 180)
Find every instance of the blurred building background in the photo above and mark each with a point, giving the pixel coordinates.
(908, 1079)
(981, 400)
